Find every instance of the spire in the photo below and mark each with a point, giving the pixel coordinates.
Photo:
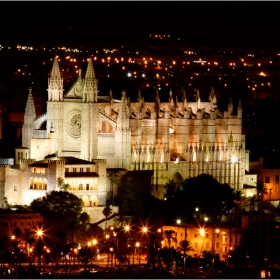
(213, 99)
(55, 89)
(139, 98)
(157, 104)
(230, 107)
(90, 86)
(123, 116)
(184, 99)
(30, 113)
(239, 109)
(171, 101)
(198, 99)
(197, 95)
(111, 100)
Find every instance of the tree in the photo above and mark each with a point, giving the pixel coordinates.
(59, 205)
(60, 210)
(114, 182)
(169, 235)
(84, 218)
(107, 211)
(204, 193)
(61, 184)
(185, 246)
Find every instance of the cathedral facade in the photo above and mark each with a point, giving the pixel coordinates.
(175, 140)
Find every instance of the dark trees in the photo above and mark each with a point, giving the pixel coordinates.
(198, 197)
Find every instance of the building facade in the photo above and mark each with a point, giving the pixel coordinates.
(174, 140)
(206, 238)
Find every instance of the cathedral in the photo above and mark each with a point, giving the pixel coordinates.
(83, 135)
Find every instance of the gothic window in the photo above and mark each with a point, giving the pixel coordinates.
(18, 154)
(87, 187)
(218, 235)
(21, 155)
(267, 179)
(88, 169)
(15, 188)
(81, 169)
(276, 179)
(81, 187)
(67, 170)
(74, 169)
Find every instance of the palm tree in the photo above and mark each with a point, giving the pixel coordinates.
(251, 202)
(169, 235)
(114, 182)
(185, 246)
(107, 211)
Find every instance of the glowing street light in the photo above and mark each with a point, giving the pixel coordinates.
(127, 228)
(178, 221)
(202, 231)
(144, 229)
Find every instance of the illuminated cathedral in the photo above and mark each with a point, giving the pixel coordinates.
(82, 135)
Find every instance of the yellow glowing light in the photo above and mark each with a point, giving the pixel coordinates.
(178, 221)
(145, 229)
(137, 244)
(202, 231)
(127, 227)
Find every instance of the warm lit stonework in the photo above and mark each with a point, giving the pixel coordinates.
(85, 135)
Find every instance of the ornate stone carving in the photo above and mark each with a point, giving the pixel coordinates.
(74, 123)
(78, 90)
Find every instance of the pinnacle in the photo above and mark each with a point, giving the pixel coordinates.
(30, 108)
(55, 70)
(90, 71)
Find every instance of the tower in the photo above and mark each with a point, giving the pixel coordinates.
(55, 89)
(90, 85)
(123, 135)
(89, 116)
(29, 116)
(55, 117)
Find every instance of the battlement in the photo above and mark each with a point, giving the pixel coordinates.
(99, 160)
(56, 161)
(5, 165)
(28, 161)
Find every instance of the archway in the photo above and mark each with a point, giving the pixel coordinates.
(85, 200)
(177, 179)
(93, 201)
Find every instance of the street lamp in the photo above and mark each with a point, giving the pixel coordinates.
(144, 229)
(111, 250)
(39, 234)
(137, 246)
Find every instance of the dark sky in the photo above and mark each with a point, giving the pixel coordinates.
(199, 23)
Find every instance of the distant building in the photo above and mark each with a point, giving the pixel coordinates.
(10, 221)
(215, 240)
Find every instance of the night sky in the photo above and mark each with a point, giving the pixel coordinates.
(234, 24)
